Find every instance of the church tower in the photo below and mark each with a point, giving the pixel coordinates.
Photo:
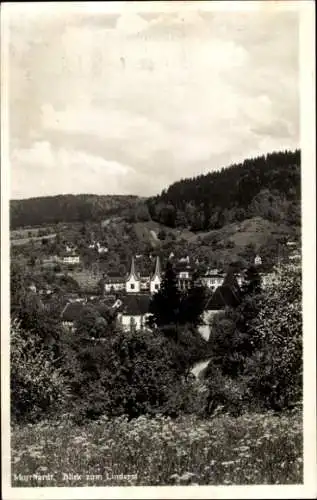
(156, 278)
(133, 281)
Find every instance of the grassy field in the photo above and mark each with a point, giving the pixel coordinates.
(251, 449)
(24, 241)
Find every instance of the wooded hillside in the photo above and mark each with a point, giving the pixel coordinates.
(268, 186)
(67, 208)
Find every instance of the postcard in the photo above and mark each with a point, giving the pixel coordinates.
(158, 250)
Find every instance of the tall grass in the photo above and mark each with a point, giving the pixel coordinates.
(251, 449)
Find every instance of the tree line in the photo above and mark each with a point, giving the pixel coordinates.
(67, 208)
(268, 186)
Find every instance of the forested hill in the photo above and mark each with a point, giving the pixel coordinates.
(268, 186)
(68, 208)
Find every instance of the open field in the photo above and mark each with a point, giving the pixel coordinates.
(24, 241)
(251, 449)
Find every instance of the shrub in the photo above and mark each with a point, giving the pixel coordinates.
(132, 373)
(37, 386)
(226, 393)
(274, 372)
(187, 346)
(256, 349)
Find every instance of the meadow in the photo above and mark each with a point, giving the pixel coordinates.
(222, 450)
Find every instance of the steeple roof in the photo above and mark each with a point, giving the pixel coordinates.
(133, 272)
(157, 270)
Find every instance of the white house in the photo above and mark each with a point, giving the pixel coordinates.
(184, 259)
(114, 283)
(257, 260)
(71, 259)
(212, 279)
(101, 249)
(134, 311)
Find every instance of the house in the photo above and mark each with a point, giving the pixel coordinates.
(295, 256)
(134, 311)
(100, 248)
(70, 314)
(212, 279)
(32, 287)
(183, 274)
(239, 278)
(50, 261)
(71, 259)
(70, 248)
(184, 259)
(113, 283)
(257, 260)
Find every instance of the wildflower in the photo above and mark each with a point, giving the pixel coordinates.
(42, 468)
(175, 478)
(187, 478)
(79, 440)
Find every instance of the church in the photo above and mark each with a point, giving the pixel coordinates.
(134, 283)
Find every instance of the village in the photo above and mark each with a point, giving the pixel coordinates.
(129, 295)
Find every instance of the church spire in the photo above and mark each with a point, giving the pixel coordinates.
(157, 271)
(132, 270)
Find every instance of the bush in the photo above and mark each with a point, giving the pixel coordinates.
(256, 349)
(274, 372)
(226, 394)
(187, 346)
(38, 388)
(132, 373)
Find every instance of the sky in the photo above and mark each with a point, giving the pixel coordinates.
(129, 100)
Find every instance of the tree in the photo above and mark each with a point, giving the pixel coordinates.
(252, 281)
(193, 303)
(17, 287)
(91, 323)
(274, 372)
(133, 373)
(38, 387)
(165, 304)
(142, 213)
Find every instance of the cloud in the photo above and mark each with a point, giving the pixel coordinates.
(64, 171)
(163, 97)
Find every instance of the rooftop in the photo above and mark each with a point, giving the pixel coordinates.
(72, 311)
(135, 305)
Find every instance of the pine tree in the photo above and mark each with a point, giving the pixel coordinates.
(193, 302)
(166, 303)
(252, 282)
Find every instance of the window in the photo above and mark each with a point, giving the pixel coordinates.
(132, 286)
(156, 287)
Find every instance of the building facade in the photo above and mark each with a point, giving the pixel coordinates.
(134, 283)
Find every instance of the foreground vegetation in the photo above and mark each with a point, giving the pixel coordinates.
(251, 449)
(125, 408)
